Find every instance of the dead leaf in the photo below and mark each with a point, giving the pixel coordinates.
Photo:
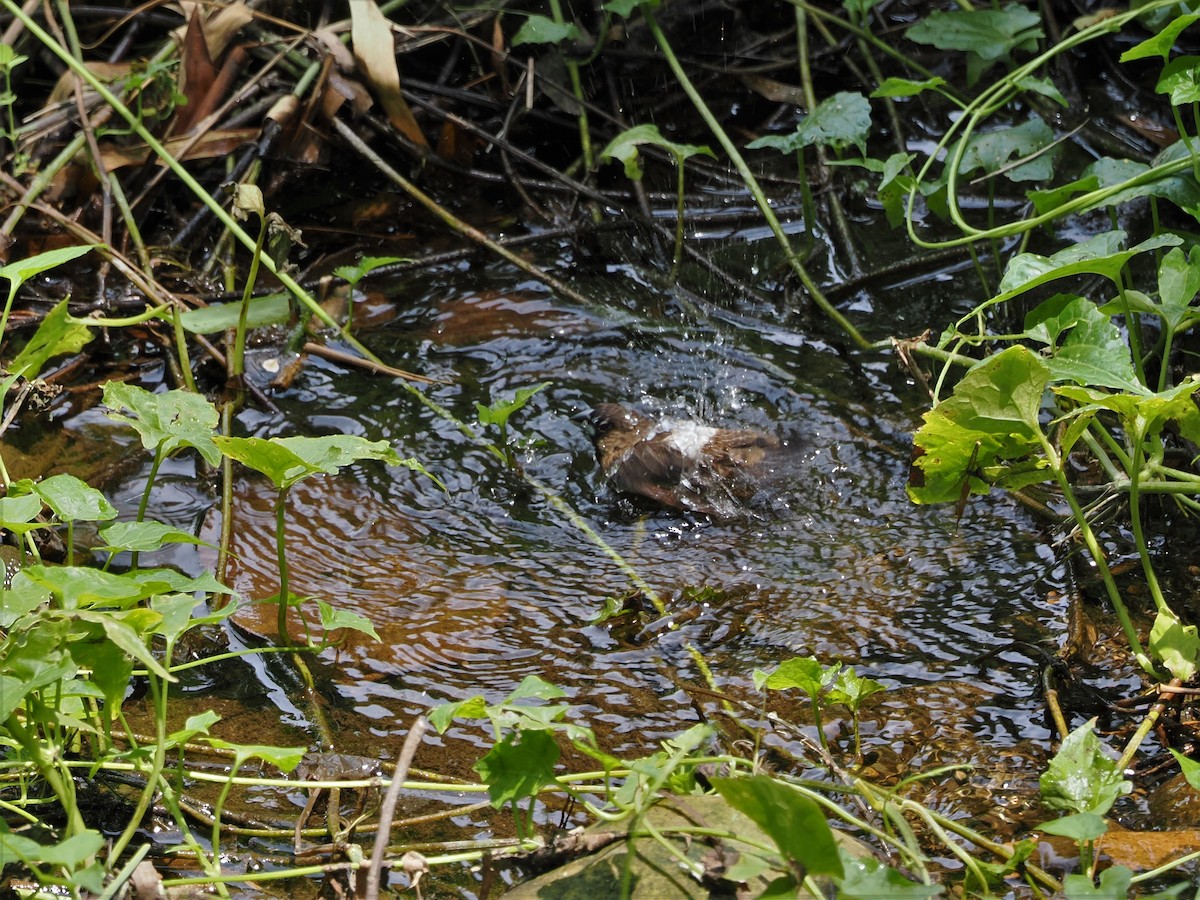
(375, 51)
(775, 91)
(197, 74)
(106, 72)
(219, 29)
(212, 144)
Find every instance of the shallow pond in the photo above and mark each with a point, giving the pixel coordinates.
(478, 586)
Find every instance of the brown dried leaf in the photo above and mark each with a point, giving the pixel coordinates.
(219, 28)
(64, 88)
(210, 145)
(197, 73)
(775, 91)
(375, 50)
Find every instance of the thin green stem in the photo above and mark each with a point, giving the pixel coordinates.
(760, 198)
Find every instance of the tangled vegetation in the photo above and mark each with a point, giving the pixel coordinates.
(156, 161)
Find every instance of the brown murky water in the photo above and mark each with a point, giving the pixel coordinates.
(476, 587)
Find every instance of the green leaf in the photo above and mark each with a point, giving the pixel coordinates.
(21, 270)
(996, 150)
(838, 122)
(1082, 827)
(70, 853)
(144, 537)
(74, 500)
(55, 336)
(903, 87)
(626, 8)
(194, 726)
(514, 771)
(1181, 79)
(272, 309)
(111, 670)
(17, 511)
(803, 672)
(867, 878)
(991, 419)
(170, 421)
(287, 461)
(283, 758)
(1116, 883)
(80, 587)
(793, 821)
(1093, 351)
(987, 34)
(534, 687)
(542, 30)
(1160, 44)
(1043, 86)
(1176, 644)
(332, 619)
(1100, 255)
(1081, 778)
(1189, 767)
(1178, 285)
(851, 690)
(129, 631)
(365, 266)
(500, 410)
(441, 716)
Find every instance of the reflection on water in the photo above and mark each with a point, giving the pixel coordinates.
(476, 587)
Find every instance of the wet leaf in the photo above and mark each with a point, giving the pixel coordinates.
(1116, 883)
(21, 270)
(333, 619)
(1178, 285)
(542, 30)
(441, 716)
(288, 460)
(70, 854)
(627, 8)
(55, 336)
(1161, 43)
(1175, 644)
(624, 147)
(272, 309)
(838, 122)
(500, 410)
(851, 689)
(71, 499)
(194, 726)
(80, 587)
(991, 419)
(356, 273)
(515, 770)
(17, 511)
(869, 879)
(144, 537)
(536, 688)
(803, 672)
(997, 150)
(1081, 778)
(904, 87)
(1081, 827)
(988, 35)
(793, 821)
(1180, 78)
(283, 758)
(170, 421)
(1093, 352)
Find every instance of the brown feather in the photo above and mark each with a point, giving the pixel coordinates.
(663, 461)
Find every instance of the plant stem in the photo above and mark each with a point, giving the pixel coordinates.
(764, 206)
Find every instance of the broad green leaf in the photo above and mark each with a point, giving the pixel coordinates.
(1084, 826)
(333, 619)
(1050, 199)
(1116, 883)
(1175, 644)
(991, 419)
(1093, 351)
(1081, 778)
(111, 670)
(1178, 285)
(55, 336)
(1160, 44)
(1043, 86)
(283, 758)
(23, 596)
(171, 420)
(534, 687)
(995, 150)
(365, 266)
(80, 587)
(144, 537)
(1142, 414)
(35, 655)
(1180, 78)
(987, 35)
(16, 511)
(866, 878)
(273, 309)
(500, 410)
(903, 87)
(175, 611)
(514, 771)
(542, 30)
(1100, 255)
(128, 631)
(803, 672)
(792, 820)
(851, 689)
(626, 8)
(21, 270)
(194, 726)
(70, 853)
(74, 500)
(441, 716)
(624, 148)
(288, 460)
(838, 122)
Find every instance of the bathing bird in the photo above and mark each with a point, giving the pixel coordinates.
(681, 464)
